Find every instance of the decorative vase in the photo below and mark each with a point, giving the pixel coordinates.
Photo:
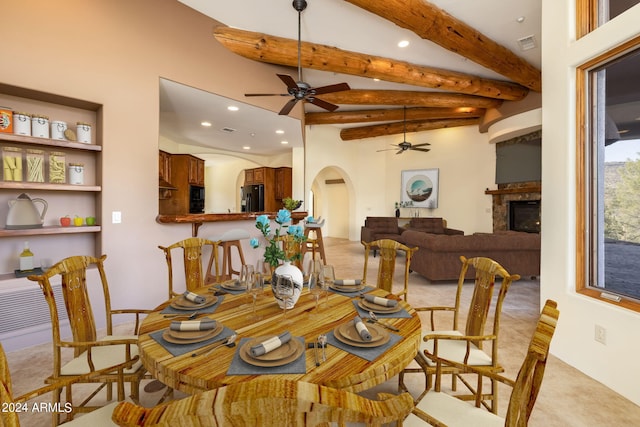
(288, 269)
(397, 213)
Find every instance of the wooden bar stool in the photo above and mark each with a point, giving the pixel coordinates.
(315, 245)
(229, 240)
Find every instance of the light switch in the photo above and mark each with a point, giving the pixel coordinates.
(116, 217)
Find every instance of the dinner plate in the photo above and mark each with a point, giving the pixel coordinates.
(170, 336)
(233, 286)
(190, 335)
(290, 352)
(356, 341)
(181, 303)
(347, 288)
(366, 305)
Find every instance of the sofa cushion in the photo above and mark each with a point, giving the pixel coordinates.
(427, 225)
(388, 225)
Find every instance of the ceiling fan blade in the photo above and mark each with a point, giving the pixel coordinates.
(288, 107)
(289, 81)
(420, 149)
(266, 94)
(400, 151)
(331, 88)
(323, 104)
(420, 145)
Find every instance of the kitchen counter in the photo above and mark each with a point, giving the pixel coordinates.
(196, 220)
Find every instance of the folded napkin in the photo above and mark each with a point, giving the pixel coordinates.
(193, 297)
(386, 302)
(362, 329)
(271, 344)
(347, 282)
(193, 325)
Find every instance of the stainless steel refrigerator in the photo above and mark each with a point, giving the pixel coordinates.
(253, 198)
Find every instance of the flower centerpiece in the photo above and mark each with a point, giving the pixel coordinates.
(282, 247)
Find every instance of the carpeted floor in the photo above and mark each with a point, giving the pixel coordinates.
(567, 398)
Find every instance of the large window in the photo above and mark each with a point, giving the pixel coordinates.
(593, 13)
(609, 176)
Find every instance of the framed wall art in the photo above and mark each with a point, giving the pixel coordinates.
(420, 187)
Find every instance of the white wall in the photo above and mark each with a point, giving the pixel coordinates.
(616, 363)
(464, 157)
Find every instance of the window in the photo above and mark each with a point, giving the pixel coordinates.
(593, 13)
(608, 223)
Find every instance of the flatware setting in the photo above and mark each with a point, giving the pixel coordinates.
(374, 319)
(188, 316)
(228, 342)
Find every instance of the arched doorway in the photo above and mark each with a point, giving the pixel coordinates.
(331, 196)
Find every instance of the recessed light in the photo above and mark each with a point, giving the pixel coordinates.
(232, 108)
(279, 131)
(284, 142)
(520, 19)
(246, 147)
(403, 43)
(205, 124)
(376, 80)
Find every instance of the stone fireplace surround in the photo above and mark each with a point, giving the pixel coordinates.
(531, 190)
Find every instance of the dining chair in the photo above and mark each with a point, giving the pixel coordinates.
(90, 353)
(388, 253)
(268, 402)
(192, 261)
(441, 409)
(466, 347)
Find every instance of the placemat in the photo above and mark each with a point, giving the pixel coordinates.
(240, 367)
(353, 294)
(207, 310)
(223, 291)
(402, 314)
(180, 349)
(366, 353)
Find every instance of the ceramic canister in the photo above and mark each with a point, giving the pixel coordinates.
(40, 126)
(83, 132)
(22, 124)
(57, 129)
(76, 173)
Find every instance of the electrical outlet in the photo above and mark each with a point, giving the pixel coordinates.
(116, 217)
(600, 334)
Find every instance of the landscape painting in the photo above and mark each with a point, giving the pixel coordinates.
(420, 188)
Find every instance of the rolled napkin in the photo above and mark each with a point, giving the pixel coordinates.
(193, 297)
(362, 329)
(271, 344)
(347, 282)
(193, 325)
(386, 302)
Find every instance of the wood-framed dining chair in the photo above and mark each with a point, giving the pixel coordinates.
(388, 253)
(441, 409)
(271, 402)
(192, 261)
(90, 353)
(466, 348)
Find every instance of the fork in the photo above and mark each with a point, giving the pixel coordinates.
(374, 319)
(190, 316)
(322, 341)
(229, 342)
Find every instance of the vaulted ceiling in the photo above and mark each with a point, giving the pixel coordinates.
(463, 57)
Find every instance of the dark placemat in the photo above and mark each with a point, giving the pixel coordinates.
(219, 289)
(364, 290)
(240, 367)
(402, 314)
(207, 310)
(366, 353)
(38, 271)
(180, 349)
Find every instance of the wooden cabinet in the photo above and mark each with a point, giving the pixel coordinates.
(186, 171)
(63, 199)
(164, 166)
(283, 183)
(248, 176)
(277, 185)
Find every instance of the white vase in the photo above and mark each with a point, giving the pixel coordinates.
(294, 272)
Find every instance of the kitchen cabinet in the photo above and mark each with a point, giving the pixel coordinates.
(164, 166)
(283, 183)
(196, 171)
(277, 185)
(63, 199)
(186, 171)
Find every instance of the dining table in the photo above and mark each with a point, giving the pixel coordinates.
(192, 368)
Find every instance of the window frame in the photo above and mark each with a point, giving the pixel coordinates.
(584, 171)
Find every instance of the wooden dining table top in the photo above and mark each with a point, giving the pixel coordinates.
(340, 370)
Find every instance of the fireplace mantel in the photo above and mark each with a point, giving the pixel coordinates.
(505, 193)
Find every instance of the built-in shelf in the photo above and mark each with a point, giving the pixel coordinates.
(21, 139)
(11, 185)
(50, 230)
(531, 189)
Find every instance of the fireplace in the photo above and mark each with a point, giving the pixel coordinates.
(524, 215)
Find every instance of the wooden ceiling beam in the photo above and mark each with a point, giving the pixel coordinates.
(362, 132)
(434, 24)
(386, 115)
(409, 98)
(283, 51)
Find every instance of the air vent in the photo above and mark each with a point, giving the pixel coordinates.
(527, 43)
(228, 130)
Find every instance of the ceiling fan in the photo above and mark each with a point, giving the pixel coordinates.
(404, 145)
(301, 90)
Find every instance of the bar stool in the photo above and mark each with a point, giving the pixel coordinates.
(314, 244)
(230, 239)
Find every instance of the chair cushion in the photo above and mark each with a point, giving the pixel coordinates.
(455, 350)
(103, 357)
(452, 412)
(101, 417)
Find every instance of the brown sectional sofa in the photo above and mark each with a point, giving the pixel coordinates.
(438, 256)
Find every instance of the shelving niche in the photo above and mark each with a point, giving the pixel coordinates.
(52, 240)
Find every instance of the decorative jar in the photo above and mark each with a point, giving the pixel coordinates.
(288, 269)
